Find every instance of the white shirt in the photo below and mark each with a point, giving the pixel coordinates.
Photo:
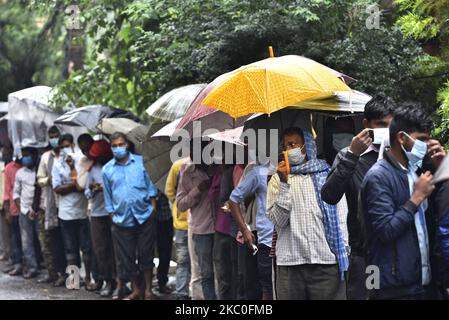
(24, 188)
(72, 206)
(97, 199)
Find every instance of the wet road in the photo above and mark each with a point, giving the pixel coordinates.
(18, 288)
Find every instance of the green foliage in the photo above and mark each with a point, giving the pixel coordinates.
(30, 47)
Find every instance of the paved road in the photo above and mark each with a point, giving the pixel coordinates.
(18, 288)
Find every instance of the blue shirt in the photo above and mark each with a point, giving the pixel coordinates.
(128, 190)
(255, 182)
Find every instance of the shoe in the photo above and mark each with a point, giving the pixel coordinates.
(8, 269)
(30, 274)
(106, 291)
(46, 279)
(60, 282)
(165, 290)
(16, 271)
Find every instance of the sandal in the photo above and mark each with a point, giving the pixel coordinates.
(133, 296)
(120, 294)
(150, 296)
(91, 286)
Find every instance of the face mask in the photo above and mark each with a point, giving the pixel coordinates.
(380, 135)
(417, 154)
(295, 156)
(119, 152)
(54, 142)
(66, 151)
(27, 161)
(341, 140)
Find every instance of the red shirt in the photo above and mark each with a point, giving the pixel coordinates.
(10, 176)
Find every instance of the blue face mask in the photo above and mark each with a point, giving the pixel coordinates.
(54, 142)
(417, 154)
(27, 161)
(66, 151)
(119, 152)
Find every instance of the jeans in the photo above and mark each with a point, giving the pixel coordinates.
(264, 268)
(102, 246)
(29, 229)
(16, 241)
(5, 239)
(195, 278)
(204, 246)
(76, 236)
(164, 243)
(183, 264)
(57, 249)
(223, 265)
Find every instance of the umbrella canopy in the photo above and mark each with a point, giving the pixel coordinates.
(231, 136)
(135, 132)
(208, 117)
(353, 101)
(272, 84)
(90, 116)
(174, 103)
(167, 131)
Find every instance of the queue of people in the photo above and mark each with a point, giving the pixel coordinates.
(304, 229)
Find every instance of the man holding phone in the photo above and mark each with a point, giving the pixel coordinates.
(346, 176)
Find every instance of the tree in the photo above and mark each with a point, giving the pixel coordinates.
(30, 50)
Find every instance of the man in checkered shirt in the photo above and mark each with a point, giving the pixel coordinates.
(307, 265)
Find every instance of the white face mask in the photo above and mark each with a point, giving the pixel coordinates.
(341, 140)
(381, 135)
(295, 156)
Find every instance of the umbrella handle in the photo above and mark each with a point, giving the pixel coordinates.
(270, 50)
(287, 163)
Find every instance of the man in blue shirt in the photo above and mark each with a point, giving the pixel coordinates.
(254, 183)
(130, 197)
(394, 203)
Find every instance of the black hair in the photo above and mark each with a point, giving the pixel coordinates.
(31, 150)
(54, 130)
(85, 137)
(379, 107)
(292, 130)
(409, 118)
(66, 137)
(116, 135)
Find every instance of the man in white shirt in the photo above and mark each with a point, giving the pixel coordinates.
(72, 206)
(27, 198)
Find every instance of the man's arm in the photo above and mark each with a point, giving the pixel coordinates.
(58, 186)
(43, 177)
(170, 185)
(279, 204)
(107, 193)
(246, 188)
(185, 198)
(342, 171)
(387, 222)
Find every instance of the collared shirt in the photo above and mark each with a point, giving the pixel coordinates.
(421, 229)
(298, 220)
(24, 188)
(128, 190)
(44, 176)
(254, 182)
(189, 196)
(72, 206)
(8, 195)
(96, 199)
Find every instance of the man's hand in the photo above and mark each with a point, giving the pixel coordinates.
(32, 215)
(436, 152)
(361, 142)
(204, 185)
(423, 188)
(70, 162)
(249, 238)
(282, 171)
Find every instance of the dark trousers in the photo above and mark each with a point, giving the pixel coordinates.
(76, 237)
(309, 282)
(222, 265)
(204, 247)
(250, 288)
(356, 284)
(100, 228)
(264, 270)
(164, 243)
(235, 271)
(16, 241)
(133, 244)
(57, 249)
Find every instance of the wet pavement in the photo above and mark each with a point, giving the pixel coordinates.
(18, 288)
